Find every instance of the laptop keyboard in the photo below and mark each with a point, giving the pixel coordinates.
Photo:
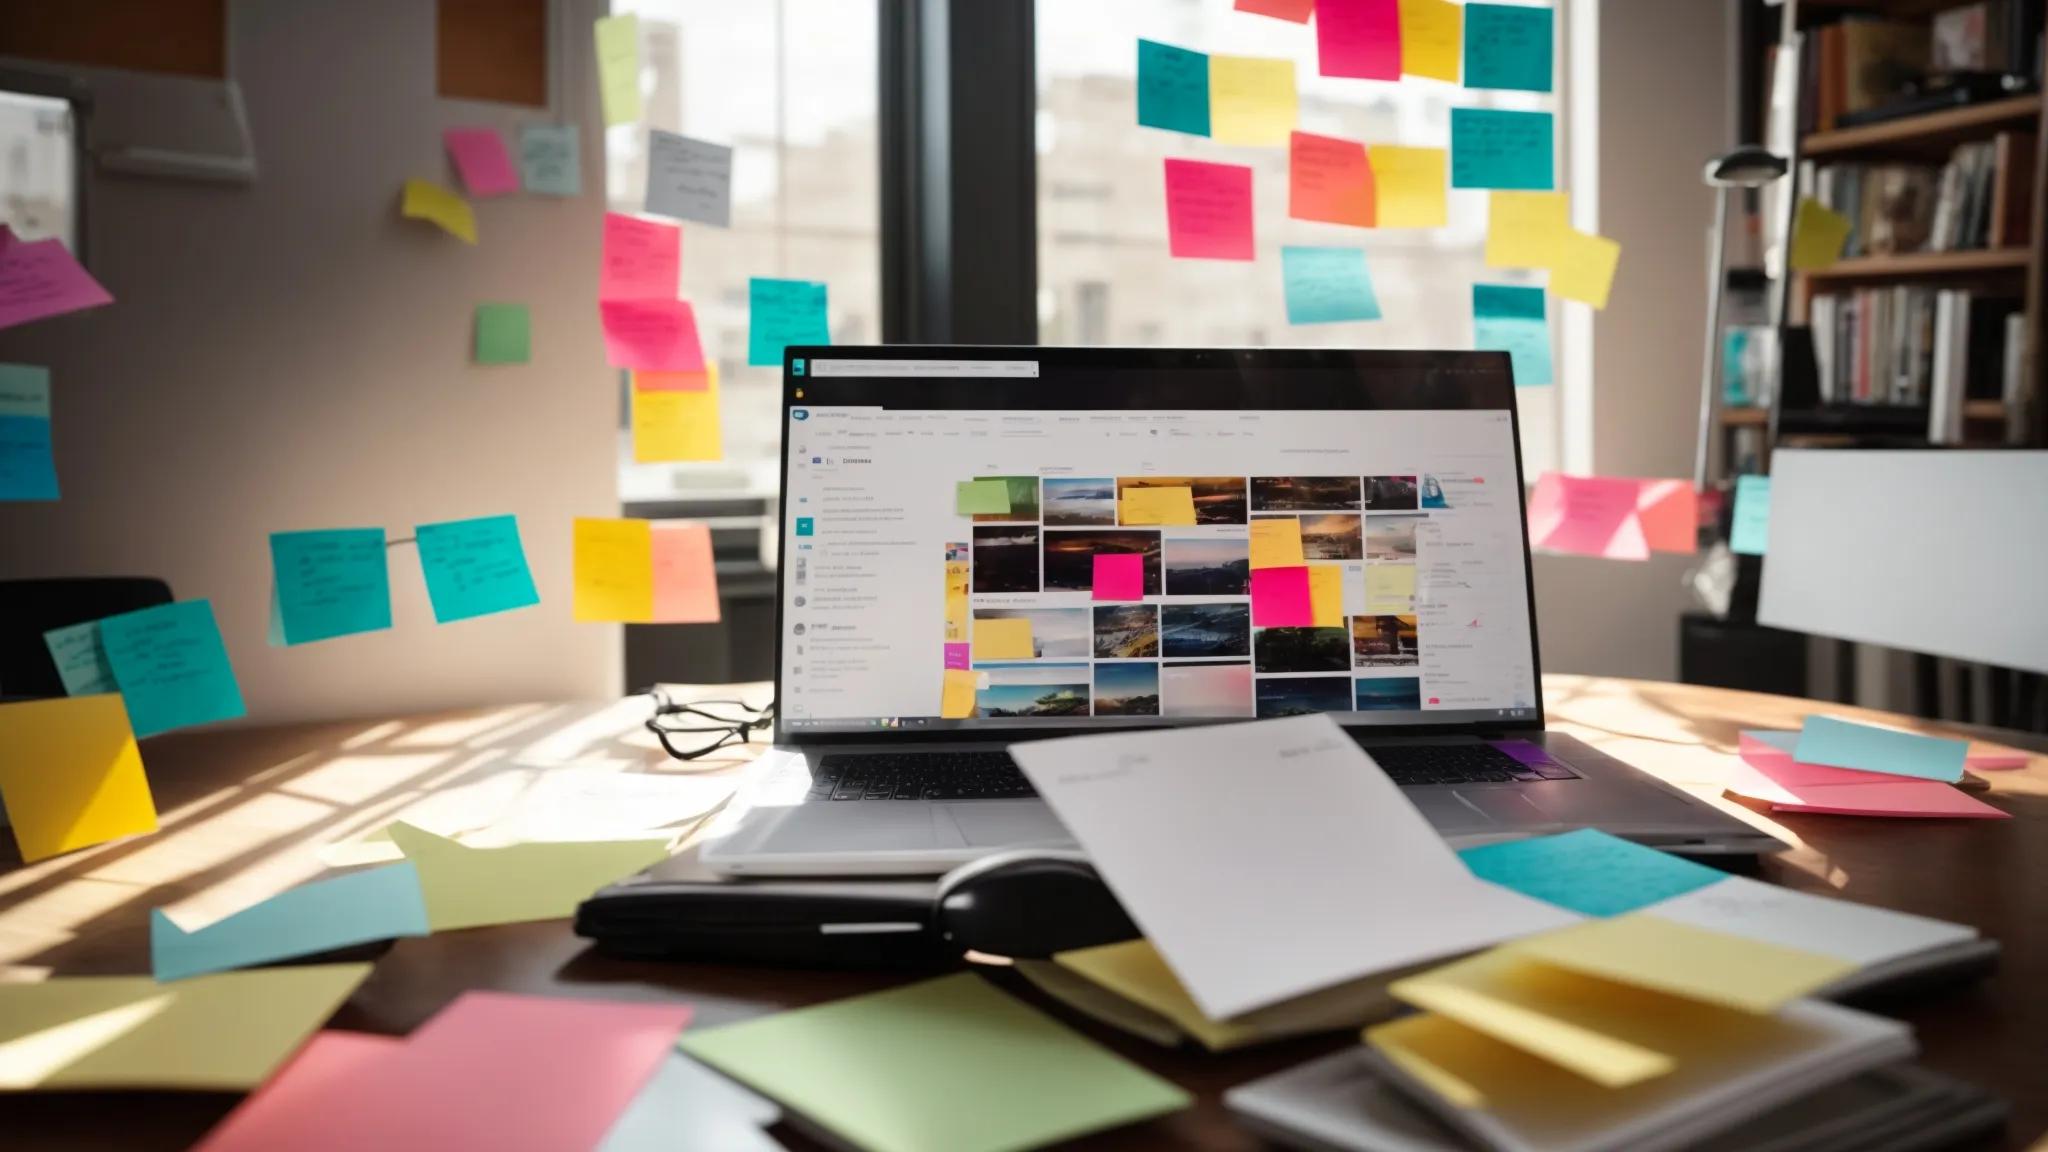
(994, 776)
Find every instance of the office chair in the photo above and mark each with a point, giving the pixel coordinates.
(29, 608)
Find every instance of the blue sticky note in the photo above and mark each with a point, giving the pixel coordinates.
(334, 582)
(781, 313)
(1838, 743)
(1324, 285)
(172, 666)
(1173, 88)
(1750, 531)
(81, 659)
(475, 567)
(1510, 319)
(28, 467)
(1508, 46)
(357, 908)
(1491, 148)
(1588, 871)
(550, 160)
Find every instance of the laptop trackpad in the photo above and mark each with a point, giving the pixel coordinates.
(1003, 822)
(1448, 813)
(863, 826)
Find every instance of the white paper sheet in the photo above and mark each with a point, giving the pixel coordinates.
(1774, 915)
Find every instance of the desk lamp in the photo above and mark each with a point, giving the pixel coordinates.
(1747, 167)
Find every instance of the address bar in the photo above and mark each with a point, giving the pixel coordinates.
(928, 369)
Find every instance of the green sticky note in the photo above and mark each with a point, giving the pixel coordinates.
(1588, 871)
(172, 666)
(1491, 148)
(330, 583)
(1508, 46)
(475, 567)
(81, 659)
(1510, 319)
(504, 334)
(781, 313)
(1327, 285)
(981, 497)
(946, 1065)
(1173, 88)
(1750, 533)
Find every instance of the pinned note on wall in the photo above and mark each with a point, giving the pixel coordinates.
(504, 334)
(475, 567)
(618, 67)
(1509, 46)
(1495, 148)
(1526, 229)
(481, 160)
(72, 776)
(1510, 319)
(1431, 33)
(1173, 88)
(81, 659)
(613, 563)
(550, 160)
(1329, 180)
(1750, 532)
(172, 666)
(425, 200)
(1119, 576)
(1587, 516)
(997, 638)
(1818, 234)
(981, 498)
(39, 279)
(333, 582)
(1251, 100)
(677, 425)
(1408, 185)
(1326, 596)
(660, 335)
(1670, 514)
(688, 179)
(1208, 210)
(1585, 267)
(28, 462)
(1359, 39)
(685, 573)
(1327, 285)
(641, 260)
(648, 381)
(781, 313)
(1296, 11)
(1276, 542)
(1168, 506)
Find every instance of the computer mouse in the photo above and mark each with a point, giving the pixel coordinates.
(1028, 904)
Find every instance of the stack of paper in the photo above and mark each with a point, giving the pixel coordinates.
(1844, 768)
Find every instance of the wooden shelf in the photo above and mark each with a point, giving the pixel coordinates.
(1745, 417)
(1983, 410)
(1924, 130)
(1912, 264)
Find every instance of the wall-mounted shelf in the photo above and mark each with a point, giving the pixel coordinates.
(1921, 264)
(1926, 131)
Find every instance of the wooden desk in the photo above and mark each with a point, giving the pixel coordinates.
(244, 807)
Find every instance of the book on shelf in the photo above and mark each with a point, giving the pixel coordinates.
(1981, 198)
(1988, 36)
(1858, 64)
(1913, 345)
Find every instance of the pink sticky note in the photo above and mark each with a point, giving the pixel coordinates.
(482, 161)
(1587, 516)
(1293, 10)
(1907, 798)
(289, 1109)
(642, 259)
(1360, 39)
(38, 278)
(685, 575)
(1208, 210)
(657, 335)
(1670, 514)
(1280, 598)
(1119, 576)
(959, 656)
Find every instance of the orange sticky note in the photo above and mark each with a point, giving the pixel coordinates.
(674, 381)
(956, 698)
(71, 775)
(685, 576)
(1585, 267)
(1409, 186)
(1208, 210)
(1276, 543)
(1670, 514)
(1328, 179)
(1294, 10)
(1326, 595)
(614, 566)
(1003, 639)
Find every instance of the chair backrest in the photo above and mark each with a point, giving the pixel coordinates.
(29, 608)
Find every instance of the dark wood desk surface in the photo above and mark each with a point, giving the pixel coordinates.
(244, 808)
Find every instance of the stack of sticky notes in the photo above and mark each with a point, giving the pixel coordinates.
(1841, 767)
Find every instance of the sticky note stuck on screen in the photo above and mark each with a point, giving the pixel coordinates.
(1163, 506)
(956, 699)
(1326, 596)
(1003, 639)
(1276, 543)
(981, 497)
(1281, 599)
(1119, 576)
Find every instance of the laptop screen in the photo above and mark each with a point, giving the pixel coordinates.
(995, 540)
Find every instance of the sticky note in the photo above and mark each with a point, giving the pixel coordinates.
(618, 67)
(957, 656)
(1431, 32)
(296, 1107)
(1587, 516)
(674, 426)
(1526, 229)
(1818, 234)
(907, 1070)
(1327, 285)
(25, 391)
(981, 497)
(1669, 511)
(651, 334)
(614, 570)
(1408, 186)
(1904, 799)
(338, 912)
(81, 659)
(1329, 180)
(172, 666)
(1000, 639)
(1360, 39)
(1508, 46)
(642, 259)
(1585, 267)
(1492, 148)
(470, 887)
(550, 160)
(1173, 88)
(1389, 589)
(1251, 100)
(1588, 871)
(685, 574)
(1510, 319)
(781, 313)
(475, 567)
(40, 279)
(1749, 533)
(1135, 971)
(482, 161)
(1839, 743)
(28, 464)
(428, 201)
(331, 583)
(504, 334)
(688, 179)
(956, 694)
(1208, 210)
(1165, 506)
(1276, 543)
(1666, 956)
(1118, 577)
(1326, 596)
(1280, 598)
(224, 1032)
(1296, 11)
(648, 381)
(72, 776)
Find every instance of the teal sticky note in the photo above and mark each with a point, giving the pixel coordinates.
(1750, 531)
(1511, 320)
(550, 160)
(1588, 871)
(1173, 88)
(1837, 743)
(81, 659)
(172, 666)
(28, 463)
(1327, 285)
(1509, 46)
(357, 908)
(781, 313)
(1491, 148)
(334, 582)
(475, 567)
(25, 391)
(504, 334)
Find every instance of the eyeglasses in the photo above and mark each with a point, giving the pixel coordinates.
(699, 728)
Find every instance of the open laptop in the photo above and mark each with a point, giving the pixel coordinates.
(1400, 473)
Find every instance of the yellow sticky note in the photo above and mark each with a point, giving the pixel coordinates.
(1276, 543)
(956, 698)
(618, 67)
(1165, 506)
(426, 200)
(1585, 267)
(1390, 589)
(1326, 595)
(1251, 100)
(1526, 229)
(676, 426)
(1432, 38)
(470, 887)
(224, 1032)
(71, 776)
(614, 562)
(1003, 639)
(1681, 960)
(1134, 970)
(1410, 184)
(1818, 233)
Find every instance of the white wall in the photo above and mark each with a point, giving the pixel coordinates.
(294, 355)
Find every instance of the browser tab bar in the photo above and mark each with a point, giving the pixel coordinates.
(929, 369)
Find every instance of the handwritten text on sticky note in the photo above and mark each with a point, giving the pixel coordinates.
(781, 313)
(1173, 88)
(1327, 285)
(688, 179)
(1494, 148)
(172, 666)
(475, 567)
(1208, 210)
